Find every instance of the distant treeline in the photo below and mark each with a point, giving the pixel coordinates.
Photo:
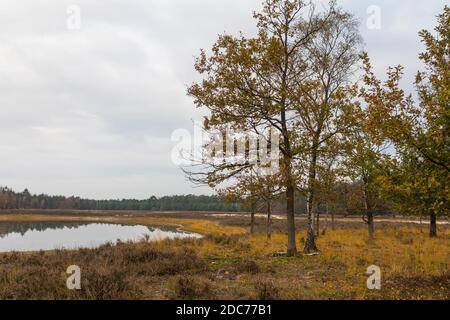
(25, 200)
(342, 204)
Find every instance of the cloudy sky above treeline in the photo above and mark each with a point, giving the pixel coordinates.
(90, 111)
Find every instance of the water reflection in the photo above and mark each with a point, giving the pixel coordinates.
(35, 236)
(23, 227)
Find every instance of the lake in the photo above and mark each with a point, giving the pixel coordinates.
(36, 236)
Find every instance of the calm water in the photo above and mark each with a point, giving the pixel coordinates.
(35, 236)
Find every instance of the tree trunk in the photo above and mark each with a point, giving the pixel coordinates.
(287, 174)
(252, 222)
(327, 214)
(317, 228)
(333, 223)
(310, 244)
(369, 214)
(371, 225)
(290, 201)
(269, 220)
(433, 226)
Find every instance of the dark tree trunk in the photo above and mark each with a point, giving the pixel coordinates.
(310, 244)
(252, 219)
(269, 220)
(252, 223)
(317, 228)
(333, 223)
(369, 214)
(292, 245)
(327, 215)
(433, 226)
(371, 225)
(290, 183)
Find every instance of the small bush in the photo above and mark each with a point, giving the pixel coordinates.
(266, 290)
(247, 266)
(143, 255)
(105, 285)
(223, 239)
(190, 288)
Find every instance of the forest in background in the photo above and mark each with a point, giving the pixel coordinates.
(25, 200)
(345, 203)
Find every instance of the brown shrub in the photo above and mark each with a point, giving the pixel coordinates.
(108, 272)
(266, 290)
(190, 288)
(247, 266)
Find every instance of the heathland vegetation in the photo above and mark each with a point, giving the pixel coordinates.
(229, 263)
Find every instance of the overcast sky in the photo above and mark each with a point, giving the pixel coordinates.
(90, 111)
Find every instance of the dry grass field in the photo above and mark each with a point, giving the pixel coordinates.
(228, 263)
